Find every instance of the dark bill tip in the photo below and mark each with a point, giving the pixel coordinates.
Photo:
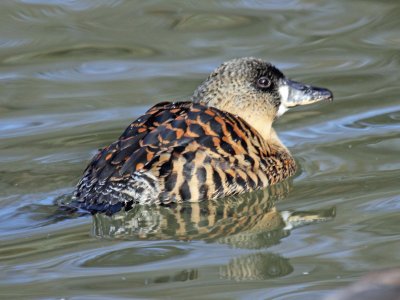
(295, 93)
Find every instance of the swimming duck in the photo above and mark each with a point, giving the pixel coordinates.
(220, 143)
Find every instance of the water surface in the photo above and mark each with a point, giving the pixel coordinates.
(74, 74)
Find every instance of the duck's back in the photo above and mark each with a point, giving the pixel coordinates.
(180, 152)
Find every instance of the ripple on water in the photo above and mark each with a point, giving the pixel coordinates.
(63, 47)
(381, 224)
(335, 148)
(287, 5)
(383, 204)
(82, 52)
(388, 119)
(74, 5)
(371, 122)
(385, 39)
(35, 14)
(323, 25)
(133, 256)
(204, 22)
(385, 34)
(41, 124)
(339, 62)
(114, 70)
(30, 213)
(13, 43)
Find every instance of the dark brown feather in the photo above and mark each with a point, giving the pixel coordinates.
(186, 152)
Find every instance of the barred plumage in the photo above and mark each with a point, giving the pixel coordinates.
(214, 146)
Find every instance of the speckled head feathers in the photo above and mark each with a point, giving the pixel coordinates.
(247, 87)
(256, 91)
(237, 82)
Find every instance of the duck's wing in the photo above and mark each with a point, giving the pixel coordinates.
(129, 153)
(185, 151)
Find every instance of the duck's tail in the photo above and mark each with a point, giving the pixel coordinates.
(111, 196)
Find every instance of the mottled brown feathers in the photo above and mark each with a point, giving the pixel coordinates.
(221, 143)
(181, 152)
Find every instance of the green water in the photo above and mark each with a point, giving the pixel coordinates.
(74, 74)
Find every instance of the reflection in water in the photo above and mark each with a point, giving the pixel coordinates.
(257, 266)
(183, 275)
(249, 221)
(73, 72)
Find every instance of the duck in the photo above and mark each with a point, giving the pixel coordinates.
(218, 143)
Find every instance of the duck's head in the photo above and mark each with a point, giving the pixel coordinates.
(256, 91)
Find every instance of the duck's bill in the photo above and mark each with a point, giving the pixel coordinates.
(295, 93)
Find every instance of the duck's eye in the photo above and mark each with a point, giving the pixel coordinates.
(263, 82)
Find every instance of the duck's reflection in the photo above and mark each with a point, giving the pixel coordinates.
(256, 266)
(249, 221)
(183, 275)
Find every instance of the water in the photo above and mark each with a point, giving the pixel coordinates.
(73, 74)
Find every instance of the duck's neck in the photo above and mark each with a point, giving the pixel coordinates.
(279, 155)
(273, 139)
